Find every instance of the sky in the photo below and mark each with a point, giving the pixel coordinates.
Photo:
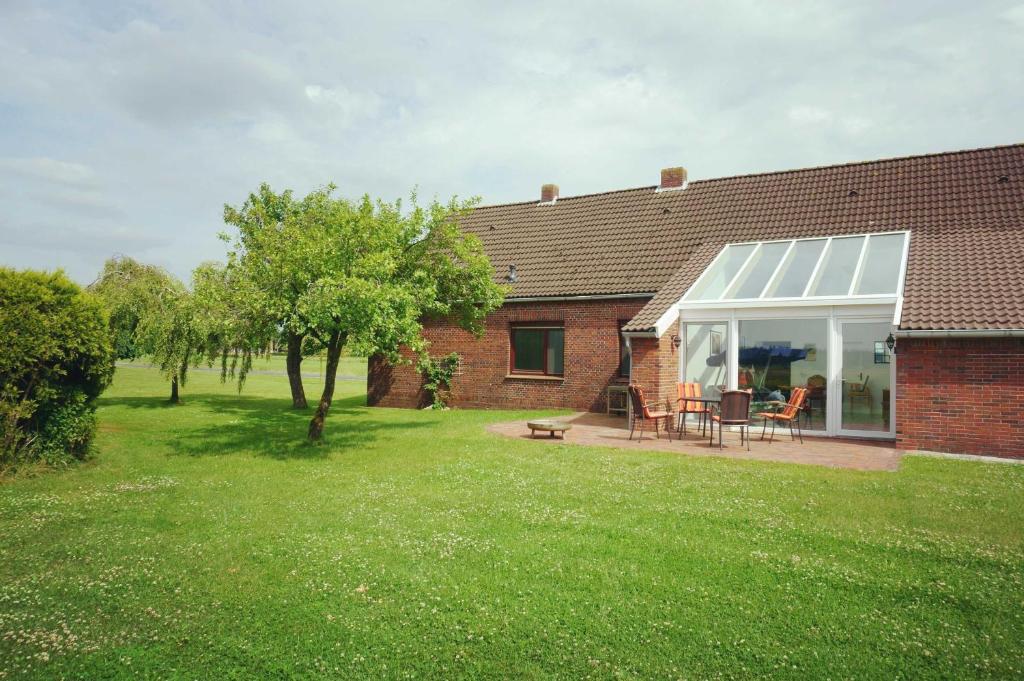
(126, 126)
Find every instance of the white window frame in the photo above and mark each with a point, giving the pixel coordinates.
(805, 298)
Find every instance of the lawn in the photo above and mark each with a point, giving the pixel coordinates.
(209, 541)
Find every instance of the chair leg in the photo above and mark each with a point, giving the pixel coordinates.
(632, 427)
(657, 435)
(799, 431)
(771, 438)
(764, 427)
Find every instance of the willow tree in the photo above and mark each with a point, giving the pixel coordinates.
(365, 275)
(153, 314)
(129, 290)
(267, 278)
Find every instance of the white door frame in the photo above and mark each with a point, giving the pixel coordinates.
(835, 389)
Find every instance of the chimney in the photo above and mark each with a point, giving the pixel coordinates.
(548, 193)
(672, 178)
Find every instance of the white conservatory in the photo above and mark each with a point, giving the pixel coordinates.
(817, 313)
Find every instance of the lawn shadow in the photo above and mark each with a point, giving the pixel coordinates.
(265, 426)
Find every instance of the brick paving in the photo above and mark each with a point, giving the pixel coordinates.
(611, 431)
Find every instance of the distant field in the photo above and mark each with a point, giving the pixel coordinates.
(210, 541)
(348, 367)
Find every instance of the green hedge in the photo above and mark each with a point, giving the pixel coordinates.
(55, 359)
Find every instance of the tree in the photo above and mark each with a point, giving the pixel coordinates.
(366, 274)
(129, 289)
(266, 281)
(57, 358)
(152, 313)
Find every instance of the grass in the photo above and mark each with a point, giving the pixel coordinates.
(209, 541)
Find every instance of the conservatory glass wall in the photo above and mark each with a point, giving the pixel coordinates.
(813, 313)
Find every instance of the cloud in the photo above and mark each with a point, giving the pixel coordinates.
(134, 124)
(49, 170)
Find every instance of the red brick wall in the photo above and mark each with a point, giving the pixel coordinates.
(961, 395)
(656, 367)
(591, 360)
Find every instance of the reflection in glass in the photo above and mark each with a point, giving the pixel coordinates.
(705, 357)
(777, 355)
(866, 386)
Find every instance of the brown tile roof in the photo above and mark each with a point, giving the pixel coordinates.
(965, 211)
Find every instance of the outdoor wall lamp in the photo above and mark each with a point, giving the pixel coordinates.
(890, 343)
(676, 341)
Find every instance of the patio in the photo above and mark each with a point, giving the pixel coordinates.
(613, 431)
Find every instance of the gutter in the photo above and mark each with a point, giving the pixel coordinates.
(558, 299)
(958, 333)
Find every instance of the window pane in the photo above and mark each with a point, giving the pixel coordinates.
(556, 351)
(777, 355)
(529, 349)
(623, 353)
(754, 277)
(721, 273)
(792, 279)
(866, 389)
(882, 264)
(705, 359)
(836, 273)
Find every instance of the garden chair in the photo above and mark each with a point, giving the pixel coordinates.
(816, 388)
(642, 413)
(861, 392)
(733, 410)
(790, 414)
(687, 406)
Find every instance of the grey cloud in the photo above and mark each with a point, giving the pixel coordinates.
(49, 170)
(173, 109)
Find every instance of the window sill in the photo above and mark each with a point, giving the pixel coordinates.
(535, 377)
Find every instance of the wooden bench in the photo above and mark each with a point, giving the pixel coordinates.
(548, 425)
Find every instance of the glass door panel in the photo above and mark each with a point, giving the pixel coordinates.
(778, 355)
(866, 378)
(706, 355)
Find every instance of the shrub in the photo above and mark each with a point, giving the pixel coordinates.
(438, 373)
(57, 358)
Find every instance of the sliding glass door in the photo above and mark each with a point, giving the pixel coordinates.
(865, 379)
(706, 356)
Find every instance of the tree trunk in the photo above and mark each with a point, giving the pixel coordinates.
(174, 391)
(334, 346)
(294, 364)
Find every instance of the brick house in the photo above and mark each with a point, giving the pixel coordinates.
(894, 289)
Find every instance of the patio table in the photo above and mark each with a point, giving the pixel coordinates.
(706, 401)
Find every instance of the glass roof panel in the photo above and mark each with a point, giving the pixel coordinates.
(717, 277)
(861, 267)
(794, 274)
(881, 270)
(758, 271)
(835, 275)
